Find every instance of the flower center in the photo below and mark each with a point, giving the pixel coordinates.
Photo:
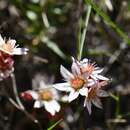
(92, 94)
(46, 95)
(77, 83)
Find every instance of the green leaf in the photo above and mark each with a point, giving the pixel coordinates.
(54, 125)
(107, 19)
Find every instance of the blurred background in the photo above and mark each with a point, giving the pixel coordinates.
(50, 29)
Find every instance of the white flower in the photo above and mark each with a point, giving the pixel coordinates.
(46, 96)
(10, 47)
(75, 83)
(93, 95)
(90, 70)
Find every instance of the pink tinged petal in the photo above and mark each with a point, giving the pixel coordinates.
(97, 71)
(89, 105)
(101, 77)
(12, 42)
(94, 77)
(1, 40)
(55, 105)
(90, 82)
(65, 73)
(33, 94)
(83, 91)
(37, 104)
(102, 93)
(103, 83)
(73, 95)
(75, 67)
(49, 108)
(20, 51)
(62, 87)
(97, 103)
(85, 102)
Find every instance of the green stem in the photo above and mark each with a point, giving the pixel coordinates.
(84, 32)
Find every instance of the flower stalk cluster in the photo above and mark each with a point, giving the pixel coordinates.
(85, 79)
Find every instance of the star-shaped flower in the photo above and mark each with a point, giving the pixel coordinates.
(93, 95)
(11, 48)
(75, 83)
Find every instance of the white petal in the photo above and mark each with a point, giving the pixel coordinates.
(65, 73)
(62, 86)
(101, 77)
(84, 61)
(97, 71)
(73, 95)
(37, 104)
(20, 51)
(12, 42)
(75, 67)
(1, 40)
(49, 108)
(55, 105)
(42, 85)
(94, 77)
(90, 82)
(83, 91)
(102, 93)
(88, 104)
(97, 103)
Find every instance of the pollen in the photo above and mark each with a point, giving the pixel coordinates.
(46, 95)
(77, 83)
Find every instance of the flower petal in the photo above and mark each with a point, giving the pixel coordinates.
(73, 95)
(97, 71)
(12, 42)
(37, 104)
(102, 93)
(20, 51)
(83, 91)
(55, 105)
(62, 86)
(89, 105)
(75, 67)
(97, 103)
(101, 77)
(34, 94)
(49, 108)
(1, 40)
(65, 73)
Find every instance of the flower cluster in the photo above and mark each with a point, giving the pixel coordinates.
(85, 80)
(7, 49)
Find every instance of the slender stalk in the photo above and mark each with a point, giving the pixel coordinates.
(16, 92)
(84, 32)
(18, 104)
